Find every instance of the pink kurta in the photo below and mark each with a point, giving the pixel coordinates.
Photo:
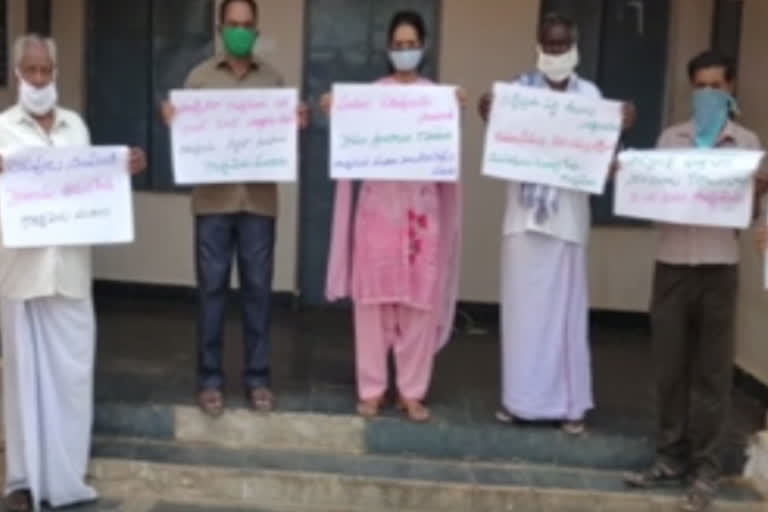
(399, 263)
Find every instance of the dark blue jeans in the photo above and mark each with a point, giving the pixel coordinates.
(217, 239)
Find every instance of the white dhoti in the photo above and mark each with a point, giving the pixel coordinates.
(546, 372)
(48, 347)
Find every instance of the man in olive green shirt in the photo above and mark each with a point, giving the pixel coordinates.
(234, 218)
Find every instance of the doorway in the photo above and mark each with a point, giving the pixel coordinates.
(624, 50)
(345, 42)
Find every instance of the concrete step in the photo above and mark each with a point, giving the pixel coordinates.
(444, 438)
(212, 476)
(178, 506)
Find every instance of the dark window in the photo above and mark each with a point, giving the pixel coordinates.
(39, 17)
(345, 41)
(726, 27)
(137, 51)
(623, 46)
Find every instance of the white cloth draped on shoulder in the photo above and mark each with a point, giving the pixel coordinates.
(545, 352)
(48, 347)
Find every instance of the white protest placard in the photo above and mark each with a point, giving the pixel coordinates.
(394, 132)
(699, 187)
(66, 196)
(234, 136)
(552, 138)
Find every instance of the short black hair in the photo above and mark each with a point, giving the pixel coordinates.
(226, 3)
(712, 59)
(411, 18)
(558, 19)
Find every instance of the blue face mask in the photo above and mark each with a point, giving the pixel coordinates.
(711, 108)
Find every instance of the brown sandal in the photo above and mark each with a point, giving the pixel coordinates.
(19, 501)
(369, 408)
(262, 400)
(211, 402)
(414, 410)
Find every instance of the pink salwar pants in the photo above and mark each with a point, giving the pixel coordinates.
(410, 333)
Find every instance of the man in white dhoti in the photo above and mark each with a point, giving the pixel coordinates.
(546, 373)
(48, 328)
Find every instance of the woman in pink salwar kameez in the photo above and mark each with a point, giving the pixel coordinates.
(398, 260)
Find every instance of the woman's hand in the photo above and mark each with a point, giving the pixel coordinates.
(137, 161)
(326, 103)
(461, 97)
(168, 112)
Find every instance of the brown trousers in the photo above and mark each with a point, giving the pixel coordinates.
(692, 318)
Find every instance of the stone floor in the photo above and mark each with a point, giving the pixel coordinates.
(147, 355)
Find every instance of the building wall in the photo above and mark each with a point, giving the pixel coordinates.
(508, 28)
(621, 259)
(752, 326)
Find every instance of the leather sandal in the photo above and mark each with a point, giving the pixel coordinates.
(414, 410)
(369, 408)
(658, 475)
(211, 402)
(262, 400)
(19, 501)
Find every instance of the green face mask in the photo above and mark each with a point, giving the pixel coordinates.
(239, 41)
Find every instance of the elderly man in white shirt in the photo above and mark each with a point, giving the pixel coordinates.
(48, 326)
(546, 368)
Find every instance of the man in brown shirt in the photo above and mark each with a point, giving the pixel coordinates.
(694, 306)
(234, 219)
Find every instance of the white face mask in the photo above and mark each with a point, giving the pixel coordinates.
(406, 60)
(558, 68)
(38, 101)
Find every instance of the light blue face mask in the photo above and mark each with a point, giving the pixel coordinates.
(711, 108)
(406, 60)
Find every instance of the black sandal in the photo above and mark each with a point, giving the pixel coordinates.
(699, 496)
(658, 475)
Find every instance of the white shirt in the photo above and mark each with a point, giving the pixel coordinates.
(573, 218)
(48, 271)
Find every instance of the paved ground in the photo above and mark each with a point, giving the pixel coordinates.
(147, 354)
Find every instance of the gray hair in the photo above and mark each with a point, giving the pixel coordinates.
(23, 43)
